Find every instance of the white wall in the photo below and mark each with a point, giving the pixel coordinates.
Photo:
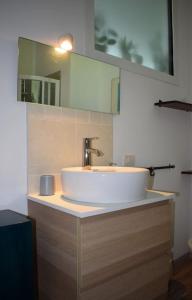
(159, 136)
(190, 94)
(154, 135)
(44, 21)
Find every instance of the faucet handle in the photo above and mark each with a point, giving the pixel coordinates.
(89, 139)
(93, 138)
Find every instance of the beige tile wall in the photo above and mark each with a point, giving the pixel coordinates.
(55, 140)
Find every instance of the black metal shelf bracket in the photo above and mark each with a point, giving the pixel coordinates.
(175, 104)
(152, 168)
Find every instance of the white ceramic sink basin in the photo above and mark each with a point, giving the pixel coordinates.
(104, 184)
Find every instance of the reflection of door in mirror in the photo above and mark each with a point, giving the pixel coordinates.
(39, 89)
(91, 84)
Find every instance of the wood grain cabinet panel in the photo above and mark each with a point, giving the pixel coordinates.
(123, 255)
(56, 243)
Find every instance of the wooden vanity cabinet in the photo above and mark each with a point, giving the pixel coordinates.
(123, 255)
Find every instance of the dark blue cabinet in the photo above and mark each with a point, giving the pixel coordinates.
(16, 257)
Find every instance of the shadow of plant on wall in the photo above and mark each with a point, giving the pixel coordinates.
(105, 37)
(159, 56)
(129, 51)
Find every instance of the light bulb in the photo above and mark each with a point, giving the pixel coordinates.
(65, 43)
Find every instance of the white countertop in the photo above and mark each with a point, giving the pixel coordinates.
(82, 210)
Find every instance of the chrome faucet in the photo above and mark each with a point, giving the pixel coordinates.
(88, 150)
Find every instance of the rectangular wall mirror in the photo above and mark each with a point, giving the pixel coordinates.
(68, 80)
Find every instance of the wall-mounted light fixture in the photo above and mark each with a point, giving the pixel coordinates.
(65, 43)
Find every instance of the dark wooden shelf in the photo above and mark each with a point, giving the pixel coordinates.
(189, 172)
(175, 105)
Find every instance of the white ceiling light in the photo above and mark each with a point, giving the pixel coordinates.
(65, 43)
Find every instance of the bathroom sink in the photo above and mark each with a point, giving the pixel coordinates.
(104, 184)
